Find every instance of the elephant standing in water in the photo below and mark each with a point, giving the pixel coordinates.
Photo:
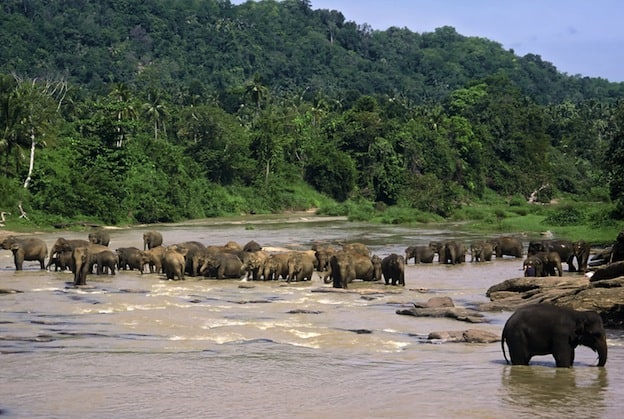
(421, 254)
(152, 239)
(64, 245)
(393, 269)
(99, 237)
(506, 246)
(542, 329)
(25, 249)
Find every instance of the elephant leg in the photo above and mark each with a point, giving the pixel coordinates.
(563, 354)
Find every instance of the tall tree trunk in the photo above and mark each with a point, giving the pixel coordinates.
(31, 165)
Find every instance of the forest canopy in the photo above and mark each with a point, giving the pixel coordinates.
(120, 112)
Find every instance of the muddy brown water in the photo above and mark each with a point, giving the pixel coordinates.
(140, 346)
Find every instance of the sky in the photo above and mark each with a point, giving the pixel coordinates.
(579, 37)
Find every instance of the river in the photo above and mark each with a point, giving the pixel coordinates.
(138, 346)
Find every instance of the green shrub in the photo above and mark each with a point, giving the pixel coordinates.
(565, 215)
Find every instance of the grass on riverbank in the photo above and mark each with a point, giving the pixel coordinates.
(567, 219)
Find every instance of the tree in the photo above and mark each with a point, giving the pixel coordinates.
(614, 161)
(155, 110)
(37, 105)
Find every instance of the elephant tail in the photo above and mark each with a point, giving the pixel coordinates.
(503, 347)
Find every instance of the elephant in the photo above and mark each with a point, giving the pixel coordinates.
(617, 249)
(301, 266)
(105, 260)
(222, 265)
(481, 251)
(252, 246)
(254, 263)
(323, 255)
(343, 269)
(506, 246)
(174, 263)
(81, 265)
(563, 247)
(449, 251)
(130, 258)
(581, 250)
(194, 253)
(533, 266)
(542, 329)
(152, 239)
(26, 249)
(421, 254)
(393, 269)
(152, 257)
(99, 237)
(360, 248)
(365, 268)
(62, 261)
(276, 266)
(63, 244)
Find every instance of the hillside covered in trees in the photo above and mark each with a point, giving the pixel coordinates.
(121, 111)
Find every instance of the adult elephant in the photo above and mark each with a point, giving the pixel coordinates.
(130, 258)
(81, 265)
(393, 269)
(252, 246)
(343, 269)
(617, 249)
(359, 248)
(194, 254)
(581, 250)
(543, 329)
(173, 263)
(99, 237)
(106, 261)
(301, 266)
(153, 258)
(222, 265)
(65, 245)
(254, 262)
(26, 249)
(152, 239)
(366, 268)
(563, 247)
(507, 246)
(420, 254)
(323, 255)
(276, 265)
(481, 251)
(450, 251)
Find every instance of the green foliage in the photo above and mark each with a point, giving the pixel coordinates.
(178, 110)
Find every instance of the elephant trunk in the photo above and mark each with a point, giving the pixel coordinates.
(601, 348)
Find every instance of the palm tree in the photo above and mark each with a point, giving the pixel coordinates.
(155, 110)
(125, 110)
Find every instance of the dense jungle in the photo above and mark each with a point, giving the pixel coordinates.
(123, 112)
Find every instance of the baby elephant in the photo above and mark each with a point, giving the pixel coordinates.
(542, 329)
(393, 269)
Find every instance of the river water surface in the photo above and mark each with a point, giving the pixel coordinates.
(138, 346)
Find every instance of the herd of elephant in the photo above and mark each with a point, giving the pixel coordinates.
(353, 261)
(336, 265)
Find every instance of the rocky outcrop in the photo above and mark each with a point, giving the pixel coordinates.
(605, 296)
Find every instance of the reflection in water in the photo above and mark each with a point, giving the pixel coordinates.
(548, 391)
